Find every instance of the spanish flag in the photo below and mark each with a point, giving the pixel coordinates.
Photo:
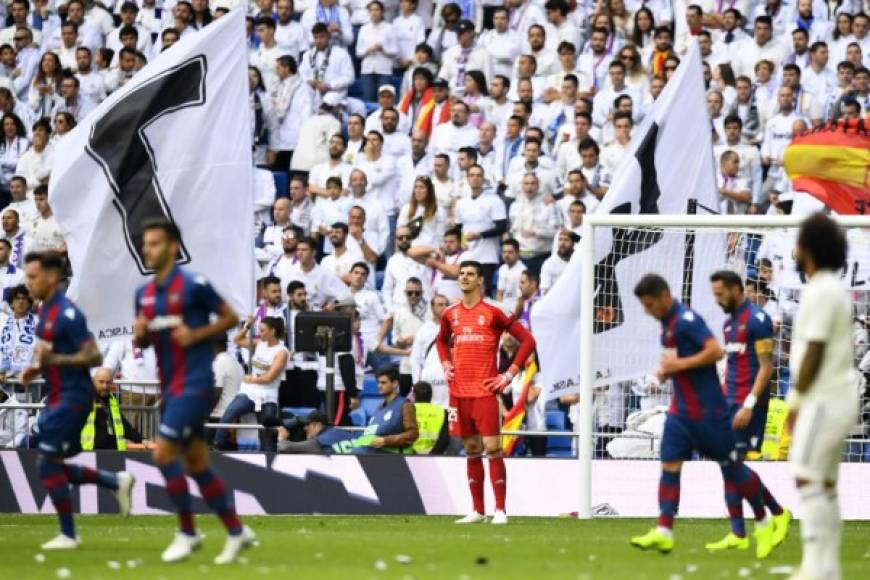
(832, 164)
(513, 420)
(424, 121)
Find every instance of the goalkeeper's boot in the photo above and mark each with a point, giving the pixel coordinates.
(182, 546)
(124, 493)
(472, 518)
(764, 540)
(62, 542)
(729, 542)
(654, 540)
(780, 526)
(234, 545)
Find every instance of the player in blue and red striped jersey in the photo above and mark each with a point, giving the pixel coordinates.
(174, 312)
(698, 419)
(748, 336)
(64, 355)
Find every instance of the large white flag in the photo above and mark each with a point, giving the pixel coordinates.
(669, 161)
(174, 142)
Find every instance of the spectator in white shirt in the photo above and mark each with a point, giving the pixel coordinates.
(72, 101)
(289, 103)
(761, 47)
(463, 57)
(327, 68)
(91, 83)
(377, 48)
(129, 17)
(24, 205)
(397, 143)
(342, 259)
(603, 104)
(35, 164)
(612, 155)
(734, 192)
(556, 264)
(481, 219)
(576, 189)
(380, 171)
(273, 234)
(409, 31)
(573, 224)
(450, 137)
(524, 14)
(335, 20)
(534, 223)
(16, 235)
(508, 288)
(423, 215)
(265, 58)
(750, 159)
(386, 100)
(531, 161)
(367, 218)
(805, 102)
(502, 44)
(368, 304)
(777, 137)
(335, 166)
(322, 286)
(401, 267)
(817, 77)
(10, 275)
(289, 33)
(405, 321)
(593, 62)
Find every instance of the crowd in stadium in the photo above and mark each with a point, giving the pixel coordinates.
(394, 139)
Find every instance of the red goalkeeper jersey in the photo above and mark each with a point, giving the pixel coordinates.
(475, 334)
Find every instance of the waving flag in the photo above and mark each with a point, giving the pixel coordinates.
(173, 143)
(833, 165)
(668, 161)
(513, 420)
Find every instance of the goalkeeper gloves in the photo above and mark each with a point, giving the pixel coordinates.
(499, 383)
(449, 371)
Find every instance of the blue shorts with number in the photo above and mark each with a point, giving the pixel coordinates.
(60, 429)
(750, 438)
(711, 436)
(184, 418)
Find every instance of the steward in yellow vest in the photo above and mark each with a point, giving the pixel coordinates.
(431, 422)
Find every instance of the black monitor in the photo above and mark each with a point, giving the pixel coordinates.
(312, 329)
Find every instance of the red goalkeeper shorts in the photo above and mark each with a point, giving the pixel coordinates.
(474, 416)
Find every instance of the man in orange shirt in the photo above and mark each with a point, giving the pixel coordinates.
(468, 345)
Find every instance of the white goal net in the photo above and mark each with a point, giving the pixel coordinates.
(620, 343)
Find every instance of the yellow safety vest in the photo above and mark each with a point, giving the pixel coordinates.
(117, 424)
(776, 440)
(430, 420)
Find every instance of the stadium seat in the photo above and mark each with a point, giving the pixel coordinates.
(396, 81)
(371, 107)
(557, 446)
(282, 183)
(370, 403)
(300, 412)
(358, 417)
(370, 385)
(356, 89)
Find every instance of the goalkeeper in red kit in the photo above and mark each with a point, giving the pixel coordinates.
(468, 346)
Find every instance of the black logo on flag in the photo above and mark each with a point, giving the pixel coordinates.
(609, 312)
(119, 144)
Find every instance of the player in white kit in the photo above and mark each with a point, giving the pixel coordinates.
(823, 400)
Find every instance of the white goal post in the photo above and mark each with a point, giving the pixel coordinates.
(597, 232)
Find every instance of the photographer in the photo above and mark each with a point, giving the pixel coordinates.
(320, 437)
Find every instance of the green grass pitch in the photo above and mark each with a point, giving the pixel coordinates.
(402, 548)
